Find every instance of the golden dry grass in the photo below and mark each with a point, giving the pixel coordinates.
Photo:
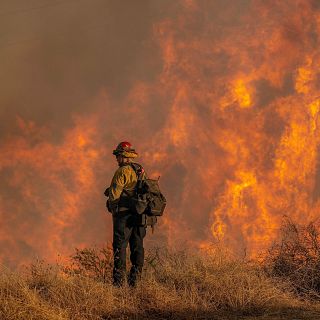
(175, 285)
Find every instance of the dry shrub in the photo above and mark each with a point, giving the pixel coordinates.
(296, 258)
(94, 262)
(175, 285)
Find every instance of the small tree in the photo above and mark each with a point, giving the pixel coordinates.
(92, 262)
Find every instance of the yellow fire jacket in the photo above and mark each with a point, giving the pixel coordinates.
(122, 186)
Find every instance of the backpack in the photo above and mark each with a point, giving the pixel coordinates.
(148, 200)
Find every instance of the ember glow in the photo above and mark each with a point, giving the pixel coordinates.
(228, 119)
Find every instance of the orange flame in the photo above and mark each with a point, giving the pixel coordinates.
(230, 123)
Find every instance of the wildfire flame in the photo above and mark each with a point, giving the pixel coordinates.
(230, 123)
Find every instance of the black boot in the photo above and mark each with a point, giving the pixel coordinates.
(134, 276)
(118, 277)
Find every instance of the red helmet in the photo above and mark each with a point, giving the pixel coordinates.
(125, 148)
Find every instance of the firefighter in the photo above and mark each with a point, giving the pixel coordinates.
(126, 228)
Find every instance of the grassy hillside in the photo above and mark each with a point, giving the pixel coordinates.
(175, 285)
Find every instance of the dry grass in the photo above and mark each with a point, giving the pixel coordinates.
(175, 285)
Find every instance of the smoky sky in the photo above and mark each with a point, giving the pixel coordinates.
(56, 55)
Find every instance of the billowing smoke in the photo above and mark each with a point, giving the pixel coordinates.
(220, 98)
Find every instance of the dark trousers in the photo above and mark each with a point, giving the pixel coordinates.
(126, 229)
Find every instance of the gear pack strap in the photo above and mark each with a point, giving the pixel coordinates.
(138, 169)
